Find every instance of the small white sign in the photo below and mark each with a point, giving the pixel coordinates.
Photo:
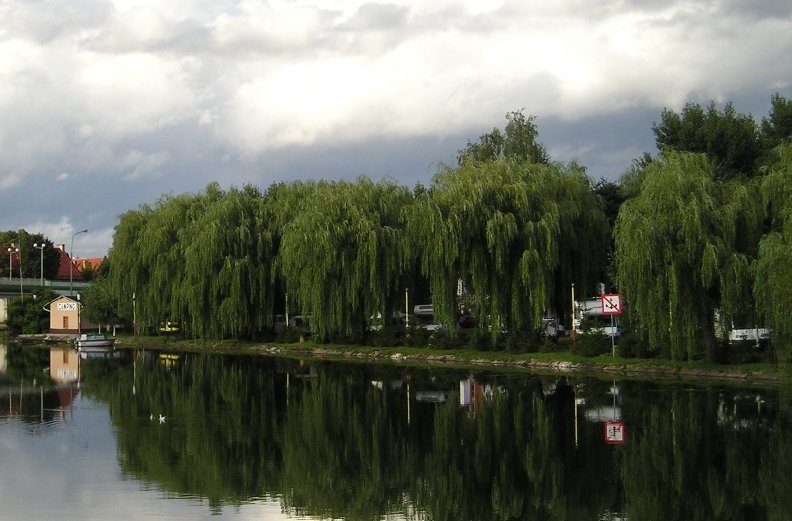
(611, 304)
(67, 306)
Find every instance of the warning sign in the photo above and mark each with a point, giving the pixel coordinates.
(611, 304)
(614, 432)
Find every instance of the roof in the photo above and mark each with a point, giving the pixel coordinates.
(63, 268)
(61, 297)
(91, 263)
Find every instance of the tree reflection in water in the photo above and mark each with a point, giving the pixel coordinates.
(355, 442)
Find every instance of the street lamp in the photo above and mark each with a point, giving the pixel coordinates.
(40, 247)
(71, 263)
(11, 251)
(10, 265)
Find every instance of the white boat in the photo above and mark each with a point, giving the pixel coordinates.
(94, 343)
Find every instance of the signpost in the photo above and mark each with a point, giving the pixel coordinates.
(611, 305)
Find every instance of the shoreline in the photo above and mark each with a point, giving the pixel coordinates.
(554, 363)
(545, 363)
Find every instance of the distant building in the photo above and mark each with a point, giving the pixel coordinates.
(89, 263)
(67, 269)
(64, 316)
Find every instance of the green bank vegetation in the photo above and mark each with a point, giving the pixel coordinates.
(694, 238)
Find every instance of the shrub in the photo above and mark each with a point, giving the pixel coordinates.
(593, 343)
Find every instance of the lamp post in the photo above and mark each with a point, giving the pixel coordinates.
(10, 265)
(71, 263)
(11, 252)
(40, 247)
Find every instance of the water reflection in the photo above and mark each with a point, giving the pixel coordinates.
(36, 394)
(330, 440)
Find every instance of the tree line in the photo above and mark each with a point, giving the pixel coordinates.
(695, 237)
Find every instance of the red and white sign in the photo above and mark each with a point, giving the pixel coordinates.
(614, 432)
(611, 304)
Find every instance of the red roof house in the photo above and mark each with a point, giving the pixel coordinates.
(66, 264)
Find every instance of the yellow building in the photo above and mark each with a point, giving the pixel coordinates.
(64, 315)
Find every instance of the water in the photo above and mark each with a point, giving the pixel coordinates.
(198, 436)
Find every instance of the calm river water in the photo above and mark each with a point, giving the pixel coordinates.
(158, 436)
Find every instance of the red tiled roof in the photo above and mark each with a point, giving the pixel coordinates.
(63, 268)
(88, 262)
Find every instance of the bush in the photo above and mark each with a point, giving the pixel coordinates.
(629, 346)
(26, 315)
(387, 337)
(291, 335)
(419, 337)
(593, 343)
(523, 342)
(446, 339)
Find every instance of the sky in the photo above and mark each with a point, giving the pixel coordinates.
(107, 105)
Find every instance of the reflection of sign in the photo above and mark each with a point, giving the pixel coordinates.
(614, 433)
(67, 374)
(611, 304)
(67, 306)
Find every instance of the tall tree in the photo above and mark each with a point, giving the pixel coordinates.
(680, 256)
(517, 141)
(502, 227)
(231, 240)
(343, 256)
(730, 140)
(773, 286)
(203, 259)
(31, 256)
(777, 127)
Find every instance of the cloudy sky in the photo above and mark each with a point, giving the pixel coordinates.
(106, 105)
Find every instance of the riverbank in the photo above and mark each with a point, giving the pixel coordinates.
(555, 363)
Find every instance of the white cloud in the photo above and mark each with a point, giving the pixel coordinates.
(141, 165)
(122, 90)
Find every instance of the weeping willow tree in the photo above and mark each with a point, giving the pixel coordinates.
(683, 251)
(773, 283)
(149, 246)
(227, 285)
(204, 260)
(128, 274)
(499, 227)
(343, 255)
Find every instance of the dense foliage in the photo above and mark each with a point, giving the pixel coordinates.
(697, 239)
(682, 253)
(26, 245)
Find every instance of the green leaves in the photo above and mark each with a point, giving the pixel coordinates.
(773, 289)
(501, 227)
(343, 254)
(678, 249)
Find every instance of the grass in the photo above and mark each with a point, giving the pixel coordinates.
(466, 357)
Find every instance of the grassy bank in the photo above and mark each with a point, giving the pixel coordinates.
(561, 361)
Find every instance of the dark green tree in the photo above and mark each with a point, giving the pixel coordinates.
(27, 314)
(101, 306)
(730, 140)
(517, 141)
(31, 256)
(773, 285)
(776, 127)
